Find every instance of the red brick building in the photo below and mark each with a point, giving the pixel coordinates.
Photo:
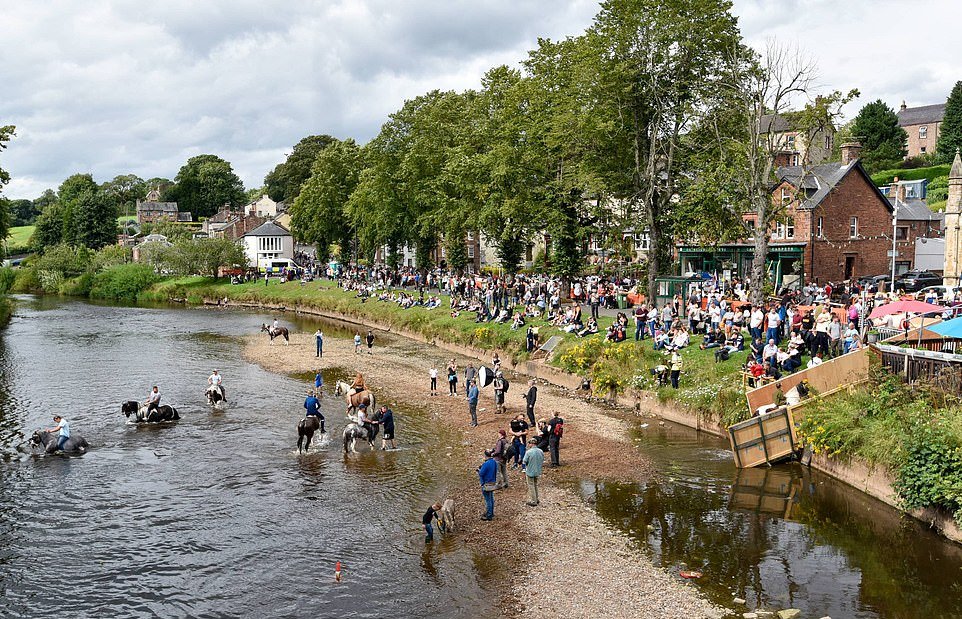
(837, 226)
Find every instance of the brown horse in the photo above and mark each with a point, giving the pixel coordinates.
(278, 332)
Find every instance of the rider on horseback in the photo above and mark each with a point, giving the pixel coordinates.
(364, 422)
(63, 428)
(313, 408)
(215, 380)
(358, 385)
(153, 400)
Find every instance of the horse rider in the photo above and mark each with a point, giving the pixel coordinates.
(364, 422)
(358, 385)
(153, 400)
(275, 325)
(312, 405)
(63, 429)
(215, 380)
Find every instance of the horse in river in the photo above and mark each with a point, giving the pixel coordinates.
(306, 429)
(47, 441)
(215, 396)
(355, 400)
(139, 411)
(354, 431)
(278, 332)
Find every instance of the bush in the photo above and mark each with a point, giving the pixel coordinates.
(26, 280)
(7, 278)
(931, 475)
(122, 282)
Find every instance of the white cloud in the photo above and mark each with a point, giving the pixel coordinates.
(111, 87)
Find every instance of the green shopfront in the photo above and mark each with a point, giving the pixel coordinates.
(785, 262)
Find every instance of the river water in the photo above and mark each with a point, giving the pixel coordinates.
(781, 537)
(214, 515)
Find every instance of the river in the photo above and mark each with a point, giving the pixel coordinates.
(214, 515)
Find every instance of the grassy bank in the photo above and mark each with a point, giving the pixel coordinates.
(914, 432)
(712, 389)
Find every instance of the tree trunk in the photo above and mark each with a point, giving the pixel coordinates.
(757, 287)
(654, 255)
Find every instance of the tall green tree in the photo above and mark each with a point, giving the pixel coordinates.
(319, 212)
(22, 212)
(883, 141)
(124, 190)
(950, 132)
(94, 219)
(204, 185)
(284, 182)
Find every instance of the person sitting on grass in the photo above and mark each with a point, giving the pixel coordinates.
(714, 339)
(736, 344)
(591, 329)
(518, 321)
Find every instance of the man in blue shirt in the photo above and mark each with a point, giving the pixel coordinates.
(313, 408)
(63, 428)
(319, 340)
(473, 394)
(488, 474)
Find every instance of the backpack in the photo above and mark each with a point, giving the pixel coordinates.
(559, 428)
(509, 451)
(505, 386)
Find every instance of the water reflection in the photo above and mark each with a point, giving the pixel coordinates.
(781, 537)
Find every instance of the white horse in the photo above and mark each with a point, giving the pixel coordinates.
(353, 401)
(354, 431)
(215, 396)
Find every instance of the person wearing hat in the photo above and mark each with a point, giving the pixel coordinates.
(488, 474)
(499, 385)
(500, 454)
(364, 422)
(313, 407)
(63, 429)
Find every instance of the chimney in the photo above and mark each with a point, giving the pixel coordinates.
(903, 105)
(851, 152)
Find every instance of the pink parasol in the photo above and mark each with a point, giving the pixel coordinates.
(912, 307)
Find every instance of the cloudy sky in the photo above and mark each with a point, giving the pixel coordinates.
(122, 86)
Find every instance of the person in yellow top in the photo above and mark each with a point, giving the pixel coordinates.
(675, 368)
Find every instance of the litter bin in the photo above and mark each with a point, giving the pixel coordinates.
(622, 301)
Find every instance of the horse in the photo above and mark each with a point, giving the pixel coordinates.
(139, 411)
(279, 331)
(306, 429)
(215, 396)
(48, 441)
(354, 431)
(356, 399)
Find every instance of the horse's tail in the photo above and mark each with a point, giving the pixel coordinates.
(174, 414)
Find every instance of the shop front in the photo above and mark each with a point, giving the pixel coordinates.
(784, 263)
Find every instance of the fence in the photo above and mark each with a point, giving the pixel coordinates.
(914, 364)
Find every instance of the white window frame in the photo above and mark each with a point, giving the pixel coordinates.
(790, 228)
(471, 252)
(786, 196)
(853, 227)
(821, 229)
(924, 132)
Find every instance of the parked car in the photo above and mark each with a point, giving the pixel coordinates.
(915, 280)
(875, 282)
(946, 295)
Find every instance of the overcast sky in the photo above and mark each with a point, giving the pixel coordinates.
(122, 86)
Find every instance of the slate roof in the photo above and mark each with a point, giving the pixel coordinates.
(269, 229)
(775, 123)
(921, 115)
(166, 207)
(914, 209)
(817, 183)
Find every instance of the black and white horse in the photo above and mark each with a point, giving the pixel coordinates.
(139, 411)
(215, 396)
(353, 432)
(47, 443)
(306, 429)
(278, 332)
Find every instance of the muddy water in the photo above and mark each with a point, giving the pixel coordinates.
(214, 515)
(784, 537)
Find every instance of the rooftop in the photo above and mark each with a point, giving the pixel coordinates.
(921, 115)
(269, 229)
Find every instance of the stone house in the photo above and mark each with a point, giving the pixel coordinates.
(792, 148)
(922, 125)
(153, 209)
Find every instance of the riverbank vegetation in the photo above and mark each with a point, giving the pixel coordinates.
(913, 432)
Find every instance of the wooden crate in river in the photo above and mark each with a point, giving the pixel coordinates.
(763, 439)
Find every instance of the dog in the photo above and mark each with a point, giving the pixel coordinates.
(446, 520)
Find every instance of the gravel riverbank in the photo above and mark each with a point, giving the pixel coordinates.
(560, 546)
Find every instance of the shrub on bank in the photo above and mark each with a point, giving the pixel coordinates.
(122, 282)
